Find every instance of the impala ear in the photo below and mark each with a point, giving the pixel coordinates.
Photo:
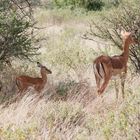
(121, 30)
(122, 33)
(39, 64)
(49, 71)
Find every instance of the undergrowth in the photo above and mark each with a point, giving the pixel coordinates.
(33, 118)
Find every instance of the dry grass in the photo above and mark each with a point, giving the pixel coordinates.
(76, 115)
(70, 108)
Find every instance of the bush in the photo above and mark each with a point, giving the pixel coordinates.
(63, 87)
(94, 5)
(87, 4)
(16, 34)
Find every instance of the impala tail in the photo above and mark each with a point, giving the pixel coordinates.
(17, 82)
(99, 69)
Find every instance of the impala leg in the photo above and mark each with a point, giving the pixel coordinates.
(19, 94)
(116, 89)
(39, 88)
(123, 77)
(104, 85)
(98, 81)
(22, 88)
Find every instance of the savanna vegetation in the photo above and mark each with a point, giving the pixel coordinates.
(66, 36)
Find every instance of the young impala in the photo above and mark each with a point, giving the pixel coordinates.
(105, 66)
(23, 82)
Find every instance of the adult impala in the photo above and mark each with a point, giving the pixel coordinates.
(23, 82)
(105, 66)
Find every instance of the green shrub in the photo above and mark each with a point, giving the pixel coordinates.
(87, 4)
(63, 87)
(16, 34)
(94, 5)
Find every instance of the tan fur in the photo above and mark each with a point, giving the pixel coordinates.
(24, 82)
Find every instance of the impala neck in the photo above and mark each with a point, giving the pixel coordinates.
(44, 76)
(126, 49)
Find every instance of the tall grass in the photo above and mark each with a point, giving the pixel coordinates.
(33, 118)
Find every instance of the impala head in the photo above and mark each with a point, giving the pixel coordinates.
(129, 37)
(44, 69)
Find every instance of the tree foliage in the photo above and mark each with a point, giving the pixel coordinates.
(126, 17)
(87, 4)
(16, 30)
